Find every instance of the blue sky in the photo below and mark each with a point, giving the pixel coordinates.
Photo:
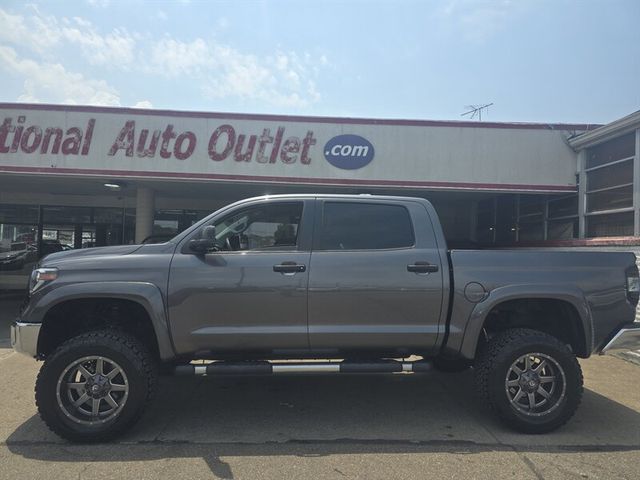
(536, 60)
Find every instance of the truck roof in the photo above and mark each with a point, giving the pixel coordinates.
(334, 195)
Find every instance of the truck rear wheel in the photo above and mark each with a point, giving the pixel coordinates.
(530, 379)
(95, 386)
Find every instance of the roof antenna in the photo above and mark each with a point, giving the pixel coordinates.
(476, 110)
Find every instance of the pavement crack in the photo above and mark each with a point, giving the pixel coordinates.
(527, 461)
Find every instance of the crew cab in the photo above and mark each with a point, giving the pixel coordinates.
(319, 283)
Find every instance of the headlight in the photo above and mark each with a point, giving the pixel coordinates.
(40, 276)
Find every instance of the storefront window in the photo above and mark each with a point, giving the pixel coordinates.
(531, 231)
(565, 229)
(485, 228)
(611, 151)
(613, 225)
(565, 206)
(168, 223)
(507, 223)
(531, 218)
(18, 255)
(30, 232)
(19, 214)
(609, 193)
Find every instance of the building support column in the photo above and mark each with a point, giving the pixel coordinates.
(145, 212)
(636, 187)
(582, 189)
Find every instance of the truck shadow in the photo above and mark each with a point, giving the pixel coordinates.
(213, 418)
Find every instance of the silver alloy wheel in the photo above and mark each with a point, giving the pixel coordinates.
(92, 390)
(535, 384)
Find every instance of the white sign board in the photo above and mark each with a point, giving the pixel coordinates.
(108, 142)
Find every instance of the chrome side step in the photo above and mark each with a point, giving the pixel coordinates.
(269, 368)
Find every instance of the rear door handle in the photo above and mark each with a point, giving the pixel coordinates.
(289, 268)
(422, 267)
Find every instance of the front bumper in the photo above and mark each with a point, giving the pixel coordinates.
(623, 341)
(24, 337)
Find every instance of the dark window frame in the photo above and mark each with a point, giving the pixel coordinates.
(317, 237)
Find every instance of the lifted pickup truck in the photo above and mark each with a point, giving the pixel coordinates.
(365, 283)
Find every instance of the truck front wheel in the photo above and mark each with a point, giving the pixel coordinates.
(95, 386)
(530, 379)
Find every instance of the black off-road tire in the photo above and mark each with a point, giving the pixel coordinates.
(494, 364)
(129, 354)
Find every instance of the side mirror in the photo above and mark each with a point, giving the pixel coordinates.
(206, 242)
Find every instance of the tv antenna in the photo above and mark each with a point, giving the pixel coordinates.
(476, 110)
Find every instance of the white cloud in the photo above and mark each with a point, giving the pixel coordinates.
(51, 82)
(99, 3)
(479, 19)
(285, 80)
(41, 33)
(143, 104)
(35, 45)
(114, 49)
(37, 34)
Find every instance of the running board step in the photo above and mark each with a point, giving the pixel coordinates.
(268, 368)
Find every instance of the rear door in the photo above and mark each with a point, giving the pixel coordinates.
(376, 280)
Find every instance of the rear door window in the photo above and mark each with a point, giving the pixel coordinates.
(364, 226)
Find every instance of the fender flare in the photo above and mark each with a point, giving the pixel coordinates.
(145, 294)
(568, 294)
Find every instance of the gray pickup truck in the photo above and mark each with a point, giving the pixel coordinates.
(319, 283)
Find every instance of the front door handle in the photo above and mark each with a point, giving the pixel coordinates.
(289, 268)
(422, 267)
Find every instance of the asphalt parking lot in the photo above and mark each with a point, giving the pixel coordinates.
(383, 426)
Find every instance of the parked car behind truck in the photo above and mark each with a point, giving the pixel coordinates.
(364, 279)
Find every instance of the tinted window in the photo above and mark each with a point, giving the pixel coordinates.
(264, 226)
(364, 226)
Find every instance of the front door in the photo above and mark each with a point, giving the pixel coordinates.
(250, 294)
(376, 278)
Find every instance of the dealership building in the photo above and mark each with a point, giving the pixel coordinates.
(76, 177)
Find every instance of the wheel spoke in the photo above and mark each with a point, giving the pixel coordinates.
(118, 388)
(527, 363)
(113, 373)
(517, 370)
(519, 395)
(540, 366)
(543, 392)
(95, 407)
(109, 399)
(84, 372)
(532, 401)
(549, 379)
(513, 383)
(83, 398)
(99, 366)
(76, 386)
